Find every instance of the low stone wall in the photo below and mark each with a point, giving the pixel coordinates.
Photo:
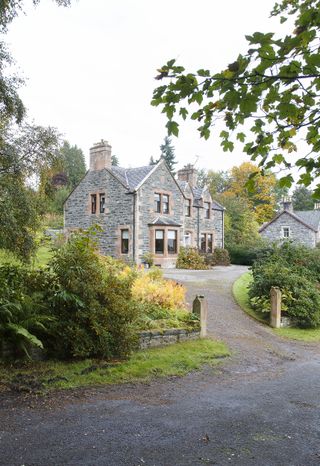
(154, 338)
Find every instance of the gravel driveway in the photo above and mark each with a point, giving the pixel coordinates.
(259, 408)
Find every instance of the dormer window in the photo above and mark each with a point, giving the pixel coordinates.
(206, 206)
(188, 207)
(93, 203)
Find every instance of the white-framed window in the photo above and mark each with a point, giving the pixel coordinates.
(285, 232)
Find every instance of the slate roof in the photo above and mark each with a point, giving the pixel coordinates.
(131, 177)
(197, 192)
(165, 221)
(309, 218)
(182, 184)
(217, 206)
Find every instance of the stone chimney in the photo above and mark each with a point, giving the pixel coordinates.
(188, 173)
(287, 203)
(100, 155)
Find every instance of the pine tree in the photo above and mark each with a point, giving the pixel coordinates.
(114, 160)
(167, 152)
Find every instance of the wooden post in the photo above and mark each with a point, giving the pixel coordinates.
(275, 314)
(200, 308)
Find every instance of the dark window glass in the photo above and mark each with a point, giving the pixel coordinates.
(172, 242)
(93, 203)
(210, 242)
(159, 242)
(157, 202)
(188, 207)
(203, 242)
(102, 203)
(165, 204)
(207, 209)
(124, 241)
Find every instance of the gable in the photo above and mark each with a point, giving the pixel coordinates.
(281, 219)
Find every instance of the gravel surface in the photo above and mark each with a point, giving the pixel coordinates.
(261, 407)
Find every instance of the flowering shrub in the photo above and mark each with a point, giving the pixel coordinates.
(152, 288)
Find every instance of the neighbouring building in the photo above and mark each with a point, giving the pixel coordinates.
(298, 226)
(144, 210)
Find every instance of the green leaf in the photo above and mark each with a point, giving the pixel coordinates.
(248, 104)
(241, 137)
(203, 73)
(183, 112)
(32, 339)
(173, 128)
(313, 59)
(286, 181)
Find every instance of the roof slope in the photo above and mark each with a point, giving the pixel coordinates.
(308, 218)
(311, 217)
(132, 177)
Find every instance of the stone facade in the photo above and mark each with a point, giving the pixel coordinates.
(124, 203)
(298, 226)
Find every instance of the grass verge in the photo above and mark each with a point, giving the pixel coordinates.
(173, 360)
(240, 293)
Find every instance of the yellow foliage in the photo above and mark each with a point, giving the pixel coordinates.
(152, 288)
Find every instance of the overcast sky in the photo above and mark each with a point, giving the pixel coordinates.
(90, 69)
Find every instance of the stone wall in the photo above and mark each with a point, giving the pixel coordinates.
(298, 232)
(118, 212)
(154, 338)
(218, 228)
(160, 181)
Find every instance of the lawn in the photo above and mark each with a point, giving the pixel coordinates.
(144, 365)
(42, 257)
(240, 293)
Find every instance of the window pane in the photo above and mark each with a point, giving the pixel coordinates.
(172, 241)
(165, 204)
(102, 203)
(188, 208)
(210, 242)
(207, 209)
(157, 202)
(286, 232)
(93, 203)
(203, 242)
(124, 241)
(159, 234)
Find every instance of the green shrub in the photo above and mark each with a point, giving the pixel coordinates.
(246, 255)
(189, 258)
(93, 309)
(218, 257)
(300, 293)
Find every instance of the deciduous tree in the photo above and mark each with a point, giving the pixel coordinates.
(268, 98)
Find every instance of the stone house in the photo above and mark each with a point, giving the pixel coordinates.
(298, 226)
(144, 210)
